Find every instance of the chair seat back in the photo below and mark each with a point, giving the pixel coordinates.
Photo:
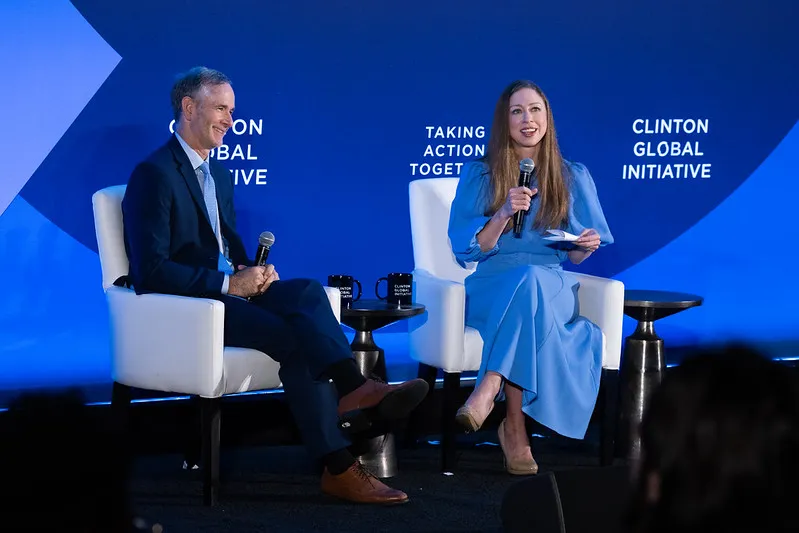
(107, 205)
(430, 205)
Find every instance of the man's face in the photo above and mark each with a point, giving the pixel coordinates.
(210, 114)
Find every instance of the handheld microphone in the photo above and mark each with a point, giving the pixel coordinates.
(265, 242)
(526, 167)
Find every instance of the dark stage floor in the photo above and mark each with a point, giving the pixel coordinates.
(275, 489)
(270, 484)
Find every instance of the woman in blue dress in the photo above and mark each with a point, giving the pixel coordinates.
(538, 352)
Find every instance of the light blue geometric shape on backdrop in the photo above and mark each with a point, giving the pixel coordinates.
(53, 63)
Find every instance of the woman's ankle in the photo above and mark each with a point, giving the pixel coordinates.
(490, 385)
(515, 427)
(479, 401)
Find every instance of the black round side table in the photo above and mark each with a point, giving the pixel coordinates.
(365, 316)
(643, 361)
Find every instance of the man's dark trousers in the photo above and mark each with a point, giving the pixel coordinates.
(293, 323)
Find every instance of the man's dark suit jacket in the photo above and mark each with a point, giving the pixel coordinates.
(168, 236)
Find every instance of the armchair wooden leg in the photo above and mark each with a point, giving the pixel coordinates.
(429, 374)
(609, 399)
(449, 456)
(417, 419)
(192, 435)
(121, 396)
(211, 427)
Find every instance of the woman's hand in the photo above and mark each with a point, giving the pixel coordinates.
(518, 200)
(588, 240)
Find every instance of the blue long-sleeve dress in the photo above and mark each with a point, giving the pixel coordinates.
(525, 306)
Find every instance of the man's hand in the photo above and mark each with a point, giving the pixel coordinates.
(247, 282)
(270, 275)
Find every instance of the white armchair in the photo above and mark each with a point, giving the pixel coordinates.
(439, 338)
(174, 344)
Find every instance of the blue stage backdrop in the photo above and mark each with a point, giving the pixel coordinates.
(685, 112)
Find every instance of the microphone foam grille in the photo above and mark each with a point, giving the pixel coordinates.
(266, 239)
(526, 165)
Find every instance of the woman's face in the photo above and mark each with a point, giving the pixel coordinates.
(527, 120)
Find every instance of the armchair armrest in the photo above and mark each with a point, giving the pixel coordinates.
(172, 343)
(437, 335)
(602, 302)
(165, 342)
(334, 295)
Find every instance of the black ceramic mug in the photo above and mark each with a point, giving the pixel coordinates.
(345, 285)
(400, 288)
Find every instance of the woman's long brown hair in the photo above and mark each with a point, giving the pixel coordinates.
(553, 190)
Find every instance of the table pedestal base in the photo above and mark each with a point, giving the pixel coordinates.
(380, 456)
(369, 356)
(641, 372)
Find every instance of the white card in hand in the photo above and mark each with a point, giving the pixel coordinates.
(560, 235)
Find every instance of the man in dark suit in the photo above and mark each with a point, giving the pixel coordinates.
(180, 235)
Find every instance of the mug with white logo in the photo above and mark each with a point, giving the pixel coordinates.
(345, 284)
(399, 289)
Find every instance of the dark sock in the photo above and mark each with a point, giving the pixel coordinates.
(339, 461)
(345, 375)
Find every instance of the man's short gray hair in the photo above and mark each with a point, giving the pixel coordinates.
(190, 83)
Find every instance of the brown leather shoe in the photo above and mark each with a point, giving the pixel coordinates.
(359, 485)
(391, 401)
